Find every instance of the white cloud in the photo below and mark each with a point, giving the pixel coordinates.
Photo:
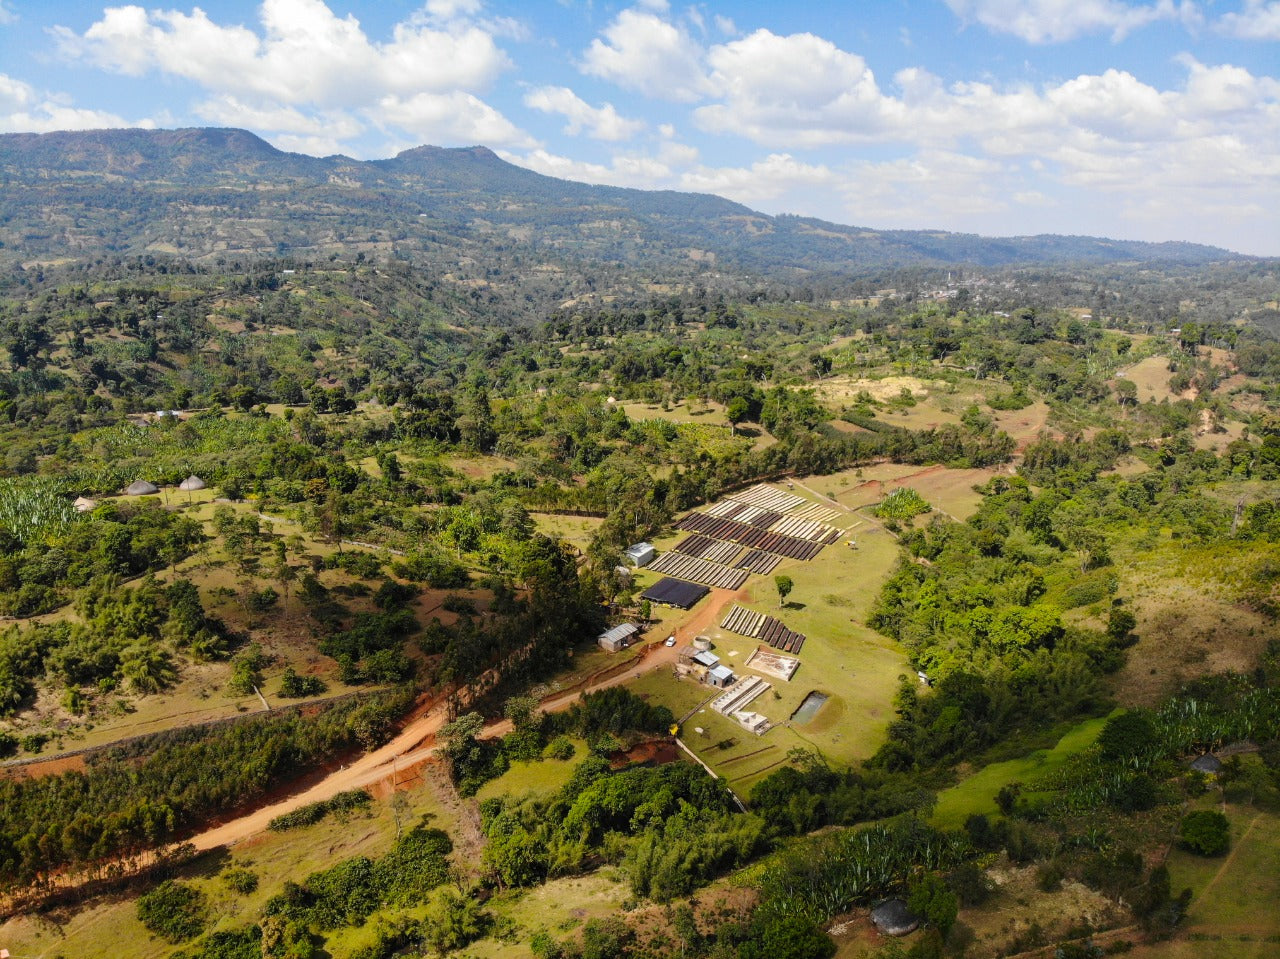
(929, 187)
(226, 110)
(794, 90)
(305, 54)
(454, 117)
(1053, 21)
(643, 51)
(24, 109)
(311, 75)
(777, 175)
(7, 16)
(600, 123)
(1256, 20)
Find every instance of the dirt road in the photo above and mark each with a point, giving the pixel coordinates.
(416, 742)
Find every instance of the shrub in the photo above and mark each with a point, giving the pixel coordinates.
(971, 885)
(314, 812)
(293, 685)
(173, 911)
(1205, 832)
(242, 881)
(902, 504)
(559, 748)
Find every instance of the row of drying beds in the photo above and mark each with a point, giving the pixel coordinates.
(745, 535)
(766, 629)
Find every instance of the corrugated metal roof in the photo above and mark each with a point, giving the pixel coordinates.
(620, 632)
(721, 673)
(704, 658)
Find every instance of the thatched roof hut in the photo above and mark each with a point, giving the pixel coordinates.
(192, 482)
(1208, 764)
(85, 505)
(893, 918)
(141, 488)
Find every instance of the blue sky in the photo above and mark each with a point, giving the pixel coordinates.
(1125, 118)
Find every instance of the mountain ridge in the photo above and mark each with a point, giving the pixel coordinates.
(206, 192)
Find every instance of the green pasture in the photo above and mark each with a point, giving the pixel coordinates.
(977, 793)
(534, 778)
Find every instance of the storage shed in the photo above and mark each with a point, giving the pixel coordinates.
(720, 677)
(641, 554)
(617, 638)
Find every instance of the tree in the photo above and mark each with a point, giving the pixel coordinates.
(1205, 832)
(736, 412)
(932, 900)
(784, 584)
(1128, 738)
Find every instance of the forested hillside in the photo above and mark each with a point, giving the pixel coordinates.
(210, 194)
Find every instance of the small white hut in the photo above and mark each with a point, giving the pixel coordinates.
(191, 483)
(141, 488)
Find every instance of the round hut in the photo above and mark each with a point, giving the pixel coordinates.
(141, 488)
(191, 483)
(1209, 764)
(85, 505)
(893, 918)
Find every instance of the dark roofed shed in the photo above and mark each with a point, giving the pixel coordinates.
(674, 592)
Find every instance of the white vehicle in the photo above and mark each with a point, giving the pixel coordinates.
(670, 641)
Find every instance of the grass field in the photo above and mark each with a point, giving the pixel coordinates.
(977, 793)
(950, 491)
(1186, 627)
(557, 908)
(534, 778)
(1152, 379)
(1233, 912)
(711, 412)
(576, 530)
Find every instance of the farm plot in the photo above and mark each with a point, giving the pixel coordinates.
(699, 570)
(704, 547)
(758, 561)
(767, 629)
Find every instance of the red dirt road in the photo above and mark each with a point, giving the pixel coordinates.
(416, 742)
